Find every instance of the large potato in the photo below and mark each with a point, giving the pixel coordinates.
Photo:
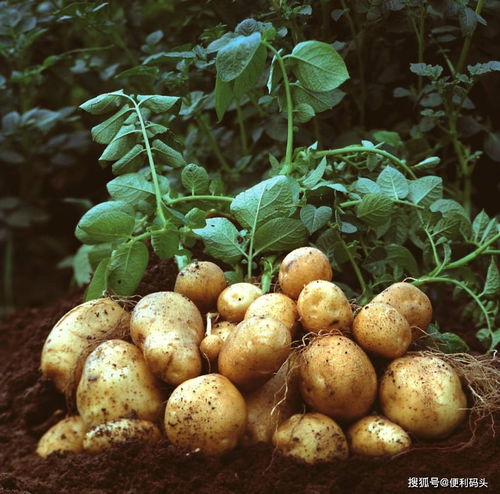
(168, 328)
(277, 306)
(234, 301)
(75, 335)
(376, 436)
(116, 383)
(66, 435)
(206, 413)
(254, 351)
(311, 437)
(411, 302)
(423, 395)
(379, 328)
(300, 267)
(202, 282)
(337, 378)
(323, 306)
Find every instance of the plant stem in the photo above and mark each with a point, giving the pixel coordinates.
(354, 264)
(475, 253)
(243, 132)
(213, 143)
(347, 204)
(462, 59)
(200, 198)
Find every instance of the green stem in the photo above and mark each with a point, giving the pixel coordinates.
(347, 204)
(462, 59)
(354, 264)
(241, 124)
(213, 143)
(475, 253)
(200, 198)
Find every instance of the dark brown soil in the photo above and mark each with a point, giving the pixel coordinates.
(29, 405)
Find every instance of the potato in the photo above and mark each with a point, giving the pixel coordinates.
(119, 431)
(75, 335)
(276, 306)
(168, 328)
(212, 343)
(379, 328)
(300, 267)
(311, 437)
(377, 436)
(234, 301)
(323, 307)
(423, 395)
(411, 302)
(206, 413)
(66, 435)
(254, 351)
(116, 383)
(202, 282)
(337, 378)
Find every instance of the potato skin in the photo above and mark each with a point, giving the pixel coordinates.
(116, 383)
(311, 437)
(119, 431)
(300, 267)
(324, 307)
(202, 282)
(337, 378)
(411, 302)
(211, 345)
(66, 435)
(75, 335)
(423, 395)
(234, 301)
(206, 413)
(254, 351)
(379, 328)
(377, 436)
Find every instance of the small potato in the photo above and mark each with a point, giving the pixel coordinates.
(116, 383)
(311, 437)
(377, 436)
(212, 343)
(411, 302)
(75, 335)
(300, 267)
(234, 301)
(254, 351)
(119, 431)
(202, 282)
(323, 307)
(276, 306)
(423, 395)
(337, 378)
(206, 413)
(66, 435)
(379, 328)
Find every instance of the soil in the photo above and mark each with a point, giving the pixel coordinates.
(29, 405)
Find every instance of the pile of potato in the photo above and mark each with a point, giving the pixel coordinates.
(246, 374)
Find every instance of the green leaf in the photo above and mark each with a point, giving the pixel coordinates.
(447, 342)
(401, 256)
(99, 281)
(314, 176)
(233, 58)
(248, 79)
(171, 156)
(81, 265)
(280, 234)
(388, 137)
(130, 188)
(127, 267)
(103, 103)
(268, 199)
(492, 284)
(489, 340)
(131, 161)
(399, 229)
(150, 72)
(320, 101)
(106, 222)
(374, 209)
(222, 240)
(196, 218)
(318, 66)
(426, 190)
(430, 162)
(223, 97)
(106, 131)
(304, 112)
(157, 103)
(120, 145)
(275, 74)
(366, 186)
(393, 183)
(315, 218)
(445, 206)
(195, 179)
(483, 227)
(98, 252)
(492, 145)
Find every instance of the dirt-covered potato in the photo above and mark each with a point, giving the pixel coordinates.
(323, 306)
(75, 335)
(66, 435)
(211, 345)
(311, 437)
(411, 302)
(254, 351)
(116, 383)
(119, 431)
(202, 282)
(300, 267)
(337, 378)
(379, 328)
(377, 436)
(168, 328)
(234, 301)
(206, 413)
(277, 306)
(423, 394)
